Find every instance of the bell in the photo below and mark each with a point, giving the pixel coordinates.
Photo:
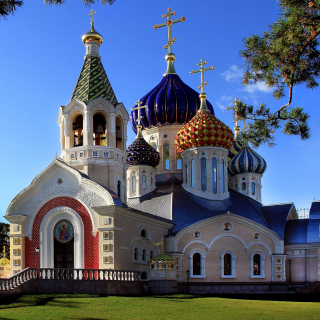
(99, 129)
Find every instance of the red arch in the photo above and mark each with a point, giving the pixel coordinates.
(91, 242)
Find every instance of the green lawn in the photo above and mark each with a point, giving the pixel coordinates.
(157, 307)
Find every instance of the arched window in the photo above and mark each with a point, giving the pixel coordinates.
(222, 176)
(179, 162)
(227, 264)
(166, 156)
(143, 233)
(135, 254)
(151, 254)
(193, 173)
(196, 264)
(257, 264)
(119, 134)
(99, 130)
(186, 174)
(151, 181)
(228, 259)
(134, 184)
(243, 186)
(144, 276)
(144, 182)
(214, 175)
(144, 256)
(203, 174)
(77, 127)
(119, 188)
(253, 188)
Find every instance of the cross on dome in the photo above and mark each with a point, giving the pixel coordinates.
(169, 24)
(139, 126)
(203, 96)
(202, 70)
(92, 12)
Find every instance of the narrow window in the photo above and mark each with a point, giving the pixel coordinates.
(193, 173)
(119, 188)
(203, 174)
(151, 181)
(222, 176)
(253, 188)
(243, 186)
(179, 161)
(166, 156)
(134, 184)
(143, 233)
(135, 256)
(144, 182)
(214, 175)
(144, 276)
(186, 174)
(77, 127)
(143, 255)
(256, 265)
(119, 133)
(227, 264)
(151, 254)
(196, 264)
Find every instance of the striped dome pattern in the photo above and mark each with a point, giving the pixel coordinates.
(237, 145)
(247, 161)
(170, 102)
(139, 152)
(204, 129)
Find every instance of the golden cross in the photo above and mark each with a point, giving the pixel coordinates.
(139, 107)
(92, 12)
(169, 24)
(139, 126)
(202, 70)
(236, 118)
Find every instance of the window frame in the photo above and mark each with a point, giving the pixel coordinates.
(233, 265)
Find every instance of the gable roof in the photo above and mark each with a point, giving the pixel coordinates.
(93, 83)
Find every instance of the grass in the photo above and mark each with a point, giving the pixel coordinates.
(158, 307)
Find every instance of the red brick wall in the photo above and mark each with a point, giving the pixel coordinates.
(91, 243)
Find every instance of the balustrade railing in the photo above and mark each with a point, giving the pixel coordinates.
(63, 273)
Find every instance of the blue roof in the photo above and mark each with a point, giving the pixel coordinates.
(171, 200)
(170, 102)
(315, 210)
(296, 231)
(276, 216)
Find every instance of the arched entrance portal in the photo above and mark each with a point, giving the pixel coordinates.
(63, 244)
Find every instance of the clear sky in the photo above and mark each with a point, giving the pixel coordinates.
(42, 55)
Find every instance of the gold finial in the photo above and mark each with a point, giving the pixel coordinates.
(236, 118)
(203, 96)
(139, 126)
(237, 128)
(4, 251)
(92, 12)
(170, 57)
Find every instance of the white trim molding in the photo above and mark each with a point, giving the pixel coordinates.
(262, 258)
(202, 264)
(47, 236)
(233, 265)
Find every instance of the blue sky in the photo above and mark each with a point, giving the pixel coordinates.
(42, 55)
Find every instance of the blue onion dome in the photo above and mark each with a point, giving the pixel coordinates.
(140, 152)
(247, 161)
(170, 102)
(237, 145)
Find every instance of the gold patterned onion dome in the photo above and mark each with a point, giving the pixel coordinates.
(92, 35)
(204, 129)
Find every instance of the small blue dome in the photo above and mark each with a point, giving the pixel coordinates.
(237, 145)
(140, 152)
(247, 161)
(170, 102)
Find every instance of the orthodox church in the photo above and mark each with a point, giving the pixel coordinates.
(182, 202)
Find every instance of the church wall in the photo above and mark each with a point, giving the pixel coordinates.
(212, 242)
(305, 262)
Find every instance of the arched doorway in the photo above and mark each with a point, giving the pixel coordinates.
(63, 244)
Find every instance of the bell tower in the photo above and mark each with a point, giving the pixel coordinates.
(93, 125)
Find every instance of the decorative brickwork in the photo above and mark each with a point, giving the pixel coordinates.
(91, 242)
